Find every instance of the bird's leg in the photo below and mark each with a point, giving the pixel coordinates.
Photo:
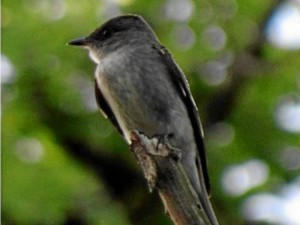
(164, 148)
(147, 149)
(160, 144)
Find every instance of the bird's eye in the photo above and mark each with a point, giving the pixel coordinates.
(107, 32)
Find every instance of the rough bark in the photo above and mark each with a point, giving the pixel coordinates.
(164, 172)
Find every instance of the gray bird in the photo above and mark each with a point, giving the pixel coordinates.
(139, 87)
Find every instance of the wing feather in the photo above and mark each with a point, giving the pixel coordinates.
(105, 108)
(182, 85)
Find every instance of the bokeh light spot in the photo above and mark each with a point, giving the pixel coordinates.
(290, 158)
(282, 208)
(263, 207)
(215, 37)
(109, 9)
(179, 10)
(214, 73)
(122, 2)
(184, 36)
(238, 179)
(29, 150)
(7, 70)
(51, 9)
(287, 114)
(220, 134)
(283, 29)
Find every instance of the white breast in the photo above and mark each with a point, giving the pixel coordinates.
(108, 63)
(94, 56)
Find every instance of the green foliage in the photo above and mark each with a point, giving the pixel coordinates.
(53, 137)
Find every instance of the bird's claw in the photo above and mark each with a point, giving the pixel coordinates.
(164, 148)
(160, 144)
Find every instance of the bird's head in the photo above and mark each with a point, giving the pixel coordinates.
(127, 31)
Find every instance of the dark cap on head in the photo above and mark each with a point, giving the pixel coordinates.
(123, 23)
(137, 26)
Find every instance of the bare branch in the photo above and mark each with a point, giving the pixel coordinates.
(163, 171)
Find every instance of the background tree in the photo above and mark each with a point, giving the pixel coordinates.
(64, 164)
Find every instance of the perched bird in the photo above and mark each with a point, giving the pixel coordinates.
(139, 87)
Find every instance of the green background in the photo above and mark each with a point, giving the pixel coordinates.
(63, 163)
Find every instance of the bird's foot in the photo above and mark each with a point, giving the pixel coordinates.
(164, 148)
(148, 150)
(160, 145)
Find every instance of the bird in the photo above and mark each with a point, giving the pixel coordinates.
(139, 86)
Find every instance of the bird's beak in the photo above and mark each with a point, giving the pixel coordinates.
(79, 42)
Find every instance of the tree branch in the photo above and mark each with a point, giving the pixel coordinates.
(163, 171)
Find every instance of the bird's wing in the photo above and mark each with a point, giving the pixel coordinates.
(181, 84)
(105, 109)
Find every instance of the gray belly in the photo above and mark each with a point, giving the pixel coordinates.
(144, 98)
(148, 108)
